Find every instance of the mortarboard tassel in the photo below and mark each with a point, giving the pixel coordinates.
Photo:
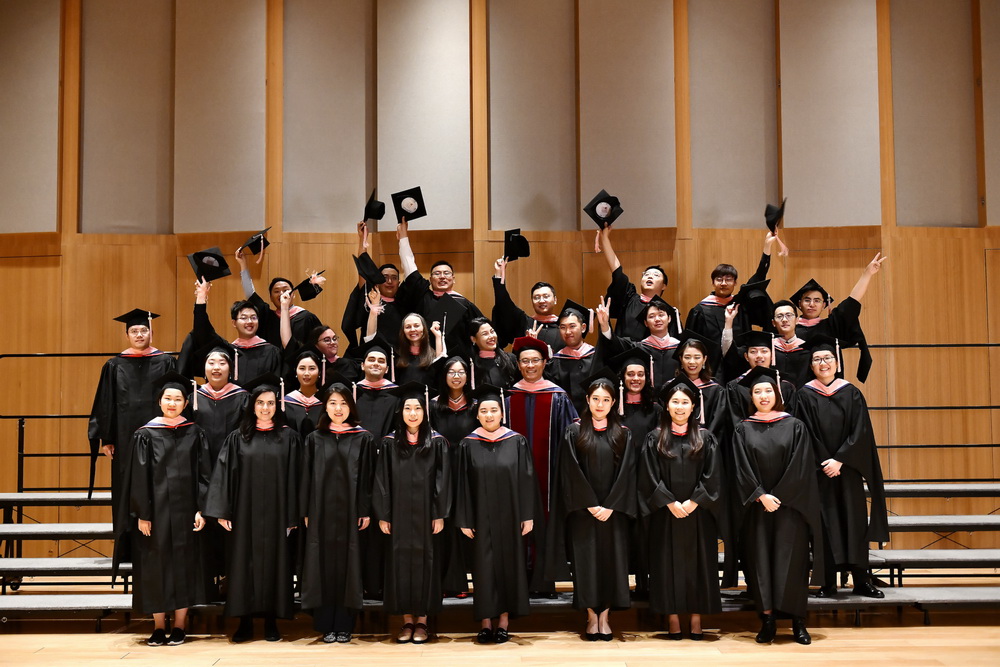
(701, 413)
(621, 397)
(149, 318)
(354, 391)
(840, 361)
(503, 409)
(777, 375)
(773, 358)
(427, 407)
(590, 320)
(282, 394)
(322, 372)
(652, 382)
(392, 365)
(677, 322)
(194, 400)
(236, 364)
(472, 372)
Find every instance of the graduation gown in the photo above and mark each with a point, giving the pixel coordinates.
(346, 366)
(512, 322)
(640, 419)
(683, 553)
(167, 480)
(660, 351)
(412, 489)
(792, 360)
(500, 370)
(301, 413)
(843, 323)
(738, 399)
(627, 303)
(836, 417)
(596, 550)
(390, 320)
(496, 493)
(415, 296)
(717, 419)
(255, 485)
(302, 321)
(334, 492)
(569, 368)
(124, 401)
(776, 457)
(253, 359)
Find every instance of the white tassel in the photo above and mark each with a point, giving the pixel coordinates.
(149, 318)
(677, 322)
(503, 409)
(194, 400)
(472, 372)
(236, 363)
(427, 407)
(621, 398)
(777, 375)
(354, 391)
(652, 381)
(392, 365)
(701, 415)
(322, 372)
(282, 394)
(840, 360)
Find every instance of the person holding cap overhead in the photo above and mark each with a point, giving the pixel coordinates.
(776, 483)
(511, 320)
(411, 498)
(385, 278)
(165, 484)
(495, 507)
(124, 398)
(254, 495)
(836, 416)
(680, 485)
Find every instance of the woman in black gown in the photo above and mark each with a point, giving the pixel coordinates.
(411, 499)
(335, 496)
(776, 480)
(302, 408)
(495, 506)
(679, 486)
(593, 503)
(254, 495)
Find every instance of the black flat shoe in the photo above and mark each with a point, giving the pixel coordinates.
(868, 590)
(768, 629)
(675, 636)
(343, 637)
(485, 636)
(697, 636)
(176, 638)
(501, 636)
(244, 633)
(158, 638)
(271, 633)
(799, 632)
(605, 636)
(590, 636)
(826, 592)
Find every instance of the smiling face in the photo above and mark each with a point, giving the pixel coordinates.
(307, 372)
(391, 284)
(139, 336)
(490, 415)
(543, 300)
(413, 414)
(413, 329)
(784, 321)
(442, 278)
(824, 365)
(375, 365)
(762, 395)
(723, 286)
(680, 407)
(759, 356)
(692, 361)
(532, 365)
(571, 330)
(217, 370)
(600, 401)
(265, 406)
(456, 377)
(657, 321)
(172, 402)
(328, 343)
(337, 408)
(246, 323)
(812, 304)
(652, 282)
(486, 338)
(635, 378)
(276, 291)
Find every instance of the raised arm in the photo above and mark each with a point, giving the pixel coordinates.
(406, 257)
(245, 279)
(609, 252)
(861, 286)
(362, 233)
(374, 306)
(286, 322)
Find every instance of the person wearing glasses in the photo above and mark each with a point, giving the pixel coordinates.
(321, 340)
(302, 321)
(791, 358)
(836, 416)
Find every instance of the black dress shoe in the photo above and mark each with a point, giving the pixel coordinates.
(868, 590)
(768, 629)
(590, 636)
(501, 636)
(605, 636)
(799, 632)
(271, 633)
(343, 637)
(826, 591)
(244, 633)
(675, 636)
(158, 638)
(697, 636)
(485, 636)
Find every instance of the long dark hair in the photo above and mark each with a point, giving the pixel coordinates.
(344, 392)
(706, 371)
(423, 433)
(444, 391)
(426, 354)
(248, 421)
(617, 433)
(669, 444)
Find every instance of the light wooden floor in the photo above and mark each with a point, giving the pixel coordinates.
(954, 639)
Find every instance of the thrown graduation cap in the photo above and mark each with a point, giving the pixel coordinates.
(135, 317)
(528, 343)
(256, 243)
(773, 215)
(811, 286)
(603, 209)
(308, 290)
(515, 246)
(374, 209)
(367, 269)
(209, 264)
(409, 204)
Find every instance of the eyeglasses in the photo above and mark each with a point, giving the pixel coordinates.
(138, 331)
(328, 340)
(530, 362)
(442, 274)
(247, 318)
(784, 316)
(818, 300)
(456, 374)
(824, 360)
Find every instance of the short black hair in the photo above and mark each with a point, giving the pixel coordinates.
(442, 262)
(784, 302)
(234, 312)
(279, 279)
(388, 265)
(725, 270)
(658, 268)
(539, 285)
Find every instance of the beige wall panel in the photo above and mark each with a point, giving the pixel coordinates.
(29, 114)
(341, 276)
(627, 112)
(989, 18)
(734, 145)
(219, 115)
(829, 113)
(329, 105)
(933, 114)
(126, 155)
(424, 107)
(532, 114)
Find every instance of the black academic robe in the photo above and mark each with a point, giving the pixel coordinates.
(640, 419)
(255, 485)
(717, 419)
(843, 323)
(412, 489)
(302, 321)
(500, 370)
(390, 320)
(776, 457)
(659, 350)
(511, 322)
(683, 553)
(569, 370)
(792, 361)
(841, 429)
(738, 399)
(124, 401)
(301, 414)
(167, 480)
(496, 493)
(415, 296)
(627, 303)
(346, 366)
(597, 551)
(453, 546)
(425, 375)
(251, 360)
(334, 492)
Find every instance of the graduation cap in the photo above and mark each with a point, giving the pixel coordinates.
(811, 286)
(603, 373)
(819, 342)
(379, 344)
(586, 314)
(488, 392)
(635, 356)
(773, 215)
(219, 346)
(374, 209)
(367, 269)
(756, 339)
(682, 381)
(270, 382)
(136, 317)
(528, 343)
(172, 380)
(661, 303)
(688, 335)
(760, 374)
(307, 289)
(515, 246)
(209, 264)
(603, 209)
(409, 204)
(751, 291)
(256, 243)
(446, 310)
(413, 389)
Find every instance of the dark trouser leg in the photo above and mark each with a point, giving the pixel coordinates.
(343, 620)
